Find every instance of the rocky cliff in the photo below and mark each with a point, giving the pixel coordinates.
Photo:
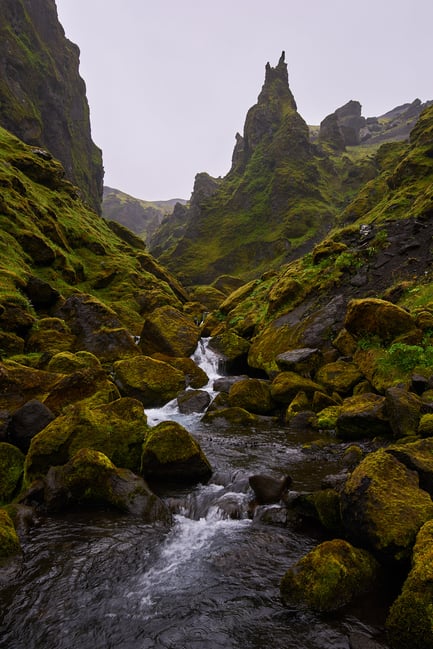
(279, 195)
(42, 96)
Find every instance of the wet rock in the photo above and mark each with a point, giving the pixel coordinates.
(302, 361)
(374, 317)
(171, 454)
(195, 377)
(286, 385)
(117, 429)
(224, 383)
(339, 376)
(190, 401)
(268, 489)
(231, 416)
(322, 506)
(90, 477)
(253, 395)
(233, 349)
(383, 507)
(153, 382)
(10, 547)
(168, 331)
(11, 471)
(403, 409)
(362, 416)
(329, 577)
(27, 422)
(410, 619)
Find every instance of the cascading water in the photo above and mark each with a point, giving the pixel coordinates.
(99, 580)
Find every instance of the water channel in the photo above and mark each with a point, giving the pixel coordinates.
(101, 580)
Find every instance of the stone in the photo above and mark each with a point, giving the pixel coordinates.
(11, 471)
(91, 478)
(362, 416)
(9, 542)
(195, 377)
(383, 507)
(302, 361)
(151, 381)
(40, 293)
(403, 410)
(417, 456)
(329, 577)
(190, 401)
(27, 422)
(339, 376)
(168, 331)
(253, 395)
(171, 454)
(373, 317)
(233, 349)
(286, 385)
(267, 489)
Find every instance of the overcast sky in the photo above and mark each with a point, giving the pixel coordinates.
(169, 82)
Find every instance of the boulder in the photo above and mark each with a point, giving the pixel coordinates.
(41, 294)
(88, 385)
(190, 401)
(171, 454)
(253, 395)
(90, 477)
(151, 381)
(233, 349)
(323, 506)
(195, 377)
(403, 410)
(362, 416)
(231, 416)
(302, 361)
(329, 577)
(11, 471)
(9, 542)
(339, 376)
(410, 619)
(369, 317)
(28, 421)
(168, 331)
(117, 429)
(286, 385)
(97, 328)
(67, 362)
(425, 426)
(267, 489)
(417, 456)
(19, 384)
(383, 507)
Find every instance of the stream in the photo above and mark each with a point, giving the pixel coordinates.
(96, 579)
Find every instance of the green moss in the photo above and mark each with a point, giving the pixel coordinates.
(329, 576)
(9, 542)
(11, 471)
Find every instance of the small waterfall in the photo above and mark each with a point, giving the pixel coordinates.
(210, 362)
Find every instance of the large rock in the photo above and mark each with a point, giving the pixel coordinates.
(253, 395)
(151, 381)
(286, 385)
(171, 454)
(404, 411)
(27, 422)
(329, 577)
(417, 456)
(373, 317)
(97, 328)
(383, 508)
(117, 429)
(11, 471)
(195, 377)
(19, 384)
(233, 349)
(190, 401)
(362, 416)
(302, 361)
(9, 542)
(168, 331)
(339, 376)
(90, 477)
(410, 619)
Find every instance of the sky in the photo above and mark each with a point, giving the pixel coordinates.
(169, 82)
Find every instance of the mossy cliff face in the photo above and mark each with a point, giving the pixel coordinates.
(42, 96)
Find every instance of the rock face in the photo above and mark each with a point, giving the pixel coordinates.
(343, 127)
(42, 96)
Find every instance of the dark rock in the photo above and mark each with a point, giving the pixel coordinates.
(267, 489)
(403, 410)
(305, 360)
(41, 294)
(27, 422)
(225, 382)
(193, 401)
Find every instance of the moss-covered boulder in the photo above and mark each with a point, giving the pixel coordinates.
(383, 507)
(19, 384)
(89, 384)
(286, 385)
(151, 381)
(329, 577)
(90, 477)
(299, 403)
(362, 416)
(231, 416)
(410, 619)
(28, 421)
(117, 429)
(48, 337)
(67, 362)
(195, 377)
(171, 454)
(403, 409)
(326, 418)
(425, 426)
(373, 317)
(339, 376)
(417, 456)
(253, 395)
(9, 542)
(233, 349)
(11, 471)
(302, 361)
(322, 506)
(168, 331)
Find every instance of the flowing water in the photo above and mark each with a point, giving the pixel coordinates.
(100, 580)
